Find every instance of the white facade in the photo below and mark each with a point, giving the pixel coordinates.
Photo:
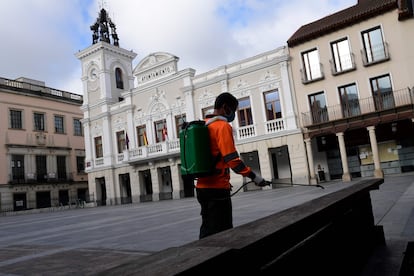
(123, 166)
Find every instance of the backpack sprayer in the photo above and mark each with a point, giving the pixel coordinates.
(196, 158)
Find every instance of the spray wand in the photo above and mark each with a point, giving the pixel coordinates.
(270, 182)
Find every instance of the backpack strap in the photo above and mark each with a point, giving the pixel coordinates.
(215, 118)
(217, 158)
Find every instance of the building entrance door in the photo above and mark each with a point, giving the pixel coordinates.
(281, 169)
(251, 159)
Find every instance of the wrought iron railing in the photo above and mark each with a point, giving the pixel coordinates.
(345, 64)
(385, 101)
(316, 73)
(377, 53)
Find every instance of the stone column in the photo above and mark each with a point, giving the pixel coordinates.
(155, 183)
(177, 186)
(308, 144)
(287, 96)
(135, 187)
(375, 155)
(130, 129)
(107, 145)
(89, 160)
(189, 106)
(346, 176)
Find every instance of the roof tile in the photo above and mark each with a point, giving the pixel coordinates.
(363, 10)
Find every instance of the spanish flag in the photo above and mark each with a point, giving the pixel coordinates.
(145, 139)
(164, 133)
(126, 141)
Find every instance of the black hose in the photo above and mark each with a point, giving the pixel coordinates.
(269, 183)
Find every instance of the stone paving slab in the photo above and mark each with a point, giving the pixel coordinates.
(69, 262)
(90, 240)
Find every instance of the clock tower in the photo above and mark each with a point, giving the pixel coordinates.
(107, 80)
(106, 67)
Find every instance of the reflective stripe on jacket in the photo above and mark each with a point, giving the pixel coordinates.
(222, 144)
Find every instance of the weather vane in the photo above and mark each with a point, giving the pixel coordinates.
(103, 4)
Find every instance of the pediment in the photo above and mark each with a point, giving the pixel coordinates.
(155, 66)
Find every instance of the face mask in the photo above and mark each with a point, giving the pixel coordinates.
(230, 118)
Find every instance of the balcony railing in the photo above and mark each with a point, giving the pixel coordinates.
(277, 125)
(164, 148)
(246, 132)
(316, 73)
(33, 178)
(346, 64)
(375, 54)
(172, 146)
(354, 108)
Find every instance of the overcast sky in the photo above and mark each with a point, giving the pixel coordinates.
(39, 38)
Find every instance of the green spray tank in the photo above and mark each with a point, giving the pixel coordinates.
(196, 158)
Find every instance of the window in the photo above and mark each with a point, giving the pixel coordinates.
(382, 92)
(245, 112)
(98, 147)
(80, 164)
(118, 78)
(374, 46)
(77, 127)
(311, 66)
(272, 103)
(39, 121)
(120, 138)
(61, 167)
(142, 136)
(59, 124)
(179, 121)
(16, 119)
(349, 100)
(207, 110)
(318, 107)
(342, 58)
(41, 170)
(17, 164)
(161, 131)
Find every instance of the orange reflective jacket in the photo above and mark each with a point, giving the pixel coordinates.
(222, 145)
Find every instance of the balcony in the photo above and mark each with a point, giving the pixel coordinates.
(171, 148)
(395, 101)
(315, 73)
(35, 178)
(345, 64)
(152, 152)
(378, 53)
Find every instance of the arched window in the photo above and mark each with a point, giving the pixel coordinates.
(118, 78)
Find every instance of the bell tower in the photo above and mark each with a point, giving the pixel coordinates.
(107, 80)
(106, 67)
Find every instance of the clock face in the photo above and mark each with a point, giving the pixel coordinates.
(94, 74)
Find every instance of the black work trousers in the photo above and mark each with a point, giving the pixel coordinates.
(216, 211)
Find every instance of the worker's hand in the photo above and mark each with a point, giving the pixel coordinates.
(259, 181)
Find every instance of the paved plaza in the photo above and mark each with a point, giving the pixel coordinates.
(86, 241)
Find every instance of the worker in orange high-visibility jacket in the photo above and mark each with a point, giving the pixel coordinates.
(213, 191)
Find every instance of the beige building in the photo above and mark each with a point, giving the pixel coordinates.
(133, 116)
(354, 80)
(42, 146)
